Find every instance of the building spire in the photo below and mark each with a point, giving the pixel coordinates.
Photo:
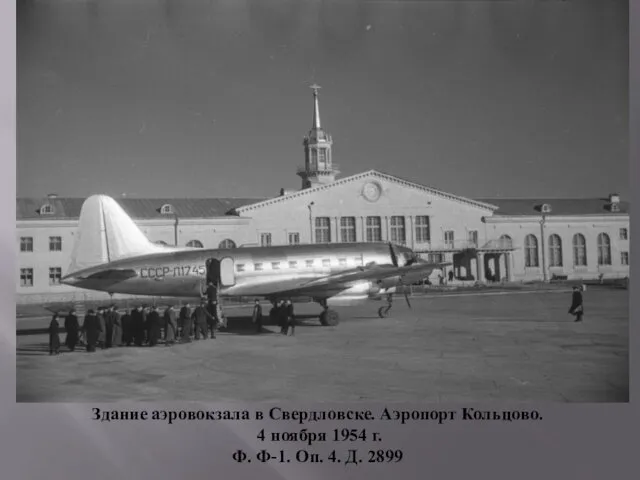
(316, 109)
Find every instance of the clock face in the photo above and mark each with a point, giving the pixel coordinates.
(371, 191)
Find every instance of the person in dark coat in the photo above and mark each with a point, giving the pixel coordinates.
(185, 320)
(200, 317)
(290, 319)
(72, 327)
(283, 320)
(127, 328)
(54, 337)
(116, 336)
(137, 326)
(212, 318)
(576, 307)
(212, 293)
(109, 314)
(256, 317)
(171, 326)
(103, 328)
(153, 326)
(91, 328)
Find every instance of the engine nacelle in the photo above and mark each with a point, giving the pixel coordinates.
(389, 282)
(357, 294)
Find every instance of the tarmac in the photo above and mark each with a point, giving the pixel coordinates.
(512, 347)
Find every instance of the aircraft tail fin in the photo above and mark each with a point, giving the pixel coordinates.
(106, 233)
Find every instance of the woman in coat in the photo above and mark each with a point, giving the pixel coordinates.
(72, 327)
(54, 337)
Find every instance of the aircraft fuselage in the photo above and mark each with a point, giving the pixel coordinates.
(251, 271)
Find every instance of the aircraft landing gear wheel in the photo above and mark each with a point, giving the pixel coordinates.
(329, 318)
(383, 312)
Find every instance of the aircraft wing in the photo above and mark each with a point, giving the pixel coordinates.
(336, 283)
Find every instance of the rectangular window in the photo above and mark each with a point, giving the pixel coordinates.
(240, 267)
(374, 229)
(55, 276)
(294, 239)
(398, 230)
(26, 244)
(309, 263)
(348, 229)
(275, 265)
(624, 234)
(26, 277)
(265, 239)
(257, 267)
(342, 262)
(448, 239)
(322, 155)
(624, 258)
(323, 230)
(293, 264)
(473, 238)
(435, 257)
(357, 261)
(326, 263)
(423, 233)
(55, 244)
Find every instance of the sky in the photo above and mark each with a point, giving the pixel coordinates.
(211, 98)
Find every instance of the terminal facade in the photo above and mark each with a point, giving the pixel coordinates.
(486, 240)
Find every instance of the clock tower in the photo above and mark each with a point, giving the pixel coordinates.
(318, 168)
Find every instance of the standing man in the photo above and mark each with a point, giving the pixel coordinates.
(171, 326)
(576, 307)
(91, 327)
(212, 319)
(116, 338)
(72, 328)
(137, 326)
(291, 318)
(257, 316)
(185, 320)
(153, 326)
(108, 321)
(200, 315)
(127, 328)
(282, 317)
(211, 292)
(102, 336)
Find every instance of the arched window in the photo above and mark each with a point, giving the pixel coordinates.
(166, 209)
(195, 244)
(604, 249)
(531, 251)
(227, 243)
(47, 209)
(579, 250)
(555, 251)
(506, 241)
(160, 242)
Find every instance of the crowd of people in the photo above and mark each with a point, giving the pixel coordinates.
(106, 327)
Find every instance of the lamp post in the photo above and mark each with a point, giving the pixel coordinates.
(311, 221)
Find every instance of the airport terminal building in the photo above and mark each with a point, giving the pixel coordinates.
(487, 240)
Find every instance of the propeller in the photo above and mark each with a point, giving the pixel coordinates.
(394, 260)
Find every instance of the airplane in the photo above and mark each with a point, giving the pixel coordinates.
(111, 254)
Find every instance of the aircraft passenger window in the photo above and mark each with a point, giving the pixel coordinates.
(326, 262)
(293, 264)
(357, 261)
(257, 267)
(309, 263)
(240, 267)
(275, 265)
(342, 262)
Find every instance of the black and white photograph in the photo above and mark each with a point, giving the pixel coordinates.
(322, 201)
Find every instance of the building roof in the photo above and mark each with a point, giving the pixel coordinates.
(559, 206)
(65, 208)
